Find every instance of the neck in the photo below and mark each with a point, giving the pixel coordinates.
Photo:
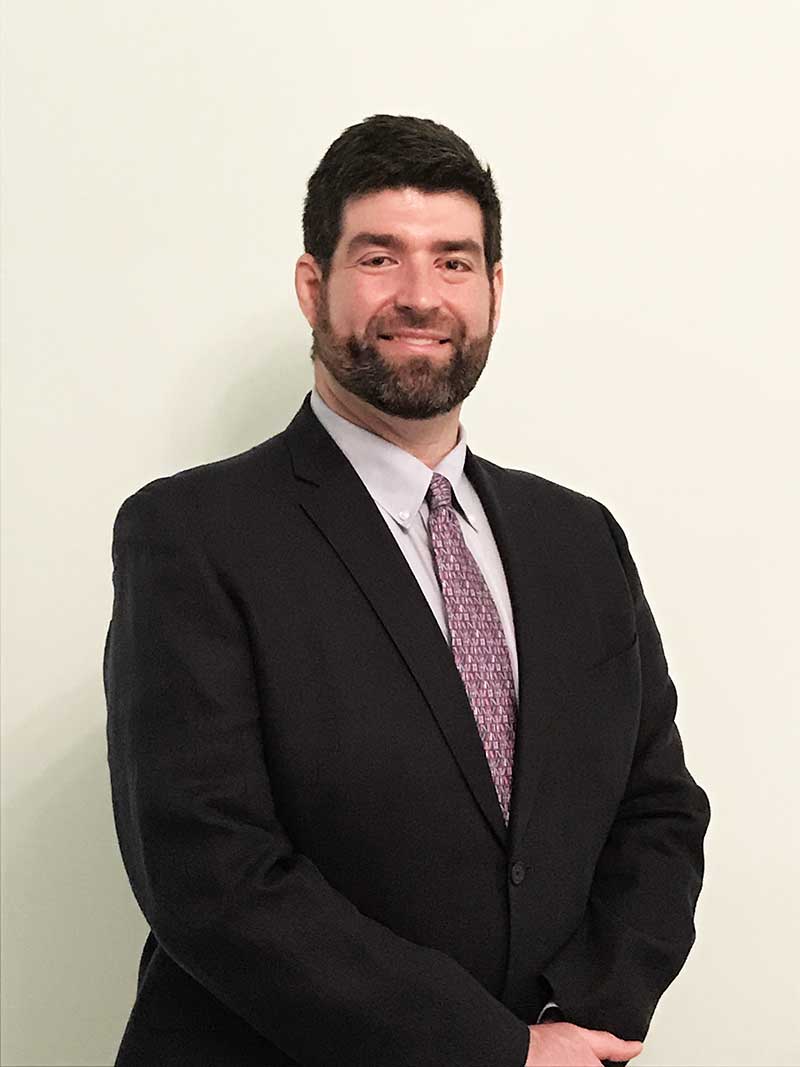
(428, 439)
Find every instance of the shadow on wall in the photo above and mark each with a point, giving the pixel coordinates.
(73, 931)
(274, 375)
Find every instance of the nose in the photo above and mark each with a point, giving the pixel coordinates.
(417, 288)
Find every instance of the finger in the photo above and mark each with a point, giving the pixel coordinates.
(607, 1046)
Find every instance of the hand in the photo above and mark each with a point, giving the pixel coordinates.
(566, 1045)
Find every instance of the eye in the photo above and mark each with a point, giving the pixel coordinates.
(459, 263)
(372, 261)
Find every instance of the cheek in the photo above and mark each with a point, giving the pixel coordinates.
(474, 313)
(352, 306)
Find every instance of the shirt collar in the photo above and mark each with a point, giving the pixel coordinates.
(397, 480)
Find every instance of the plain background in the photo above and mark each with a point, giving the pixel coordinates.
(646, 155)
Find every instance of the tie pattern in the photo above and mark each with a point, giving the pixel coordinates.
(477, 637)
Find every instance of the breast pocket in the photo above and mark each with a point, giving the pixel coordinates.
(605, 708)
(629, 649)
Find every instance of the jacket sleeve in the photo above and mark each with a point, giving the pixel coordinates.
(210, 865)
(638, 926)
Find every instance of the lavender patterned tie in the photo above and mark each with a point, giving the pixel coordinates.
(478, 642)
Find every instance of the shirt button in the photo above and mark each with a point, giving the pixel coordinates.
(404, 515)
(517, 872)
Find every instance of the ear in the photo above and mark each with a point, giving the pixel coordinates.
(308, 285)
(497, 283)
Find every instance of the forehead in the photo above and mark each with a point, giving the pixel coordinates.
(412, 213)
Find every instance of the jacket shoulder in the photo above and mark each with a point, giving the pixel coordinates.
(189, 498)
(568, 514)
(535, 487)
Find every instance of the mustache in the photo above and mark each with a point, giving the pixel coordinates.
(416, 321)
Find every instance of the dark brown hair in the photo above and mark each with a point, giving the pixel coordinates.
(393, 152)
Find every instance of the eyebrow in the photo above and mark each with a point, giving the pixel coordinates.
(390, 240)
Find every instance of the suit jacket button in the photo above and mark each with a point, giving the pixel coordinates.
(517, 872)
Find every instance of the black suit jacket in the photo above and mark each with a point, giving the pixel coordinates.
(302, 799)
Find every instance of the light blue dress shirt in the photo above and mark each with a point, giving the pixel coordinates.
(398, 483)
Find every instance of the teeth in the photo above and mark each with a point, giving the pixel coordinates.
(417, 340)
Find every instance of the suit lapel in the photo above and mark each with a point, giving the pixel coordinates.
(336, 500)
(525, 544)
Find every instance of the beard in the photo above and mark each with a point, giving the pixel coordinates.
(408, 386)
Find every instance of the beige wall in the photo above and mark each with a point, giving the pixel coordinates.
(155, 155)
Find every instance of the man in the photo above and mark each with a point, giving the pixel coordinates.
(394, 764)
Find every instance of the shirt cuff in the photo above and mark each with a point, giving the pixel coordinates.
(556, 1014)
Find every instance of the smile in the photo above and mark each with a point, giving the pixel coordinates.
(415, 341)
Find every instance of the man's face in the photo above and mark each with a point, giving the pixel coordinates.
(406, 318)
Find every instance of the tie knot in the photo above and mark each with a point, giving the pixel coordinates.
(440, 493)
